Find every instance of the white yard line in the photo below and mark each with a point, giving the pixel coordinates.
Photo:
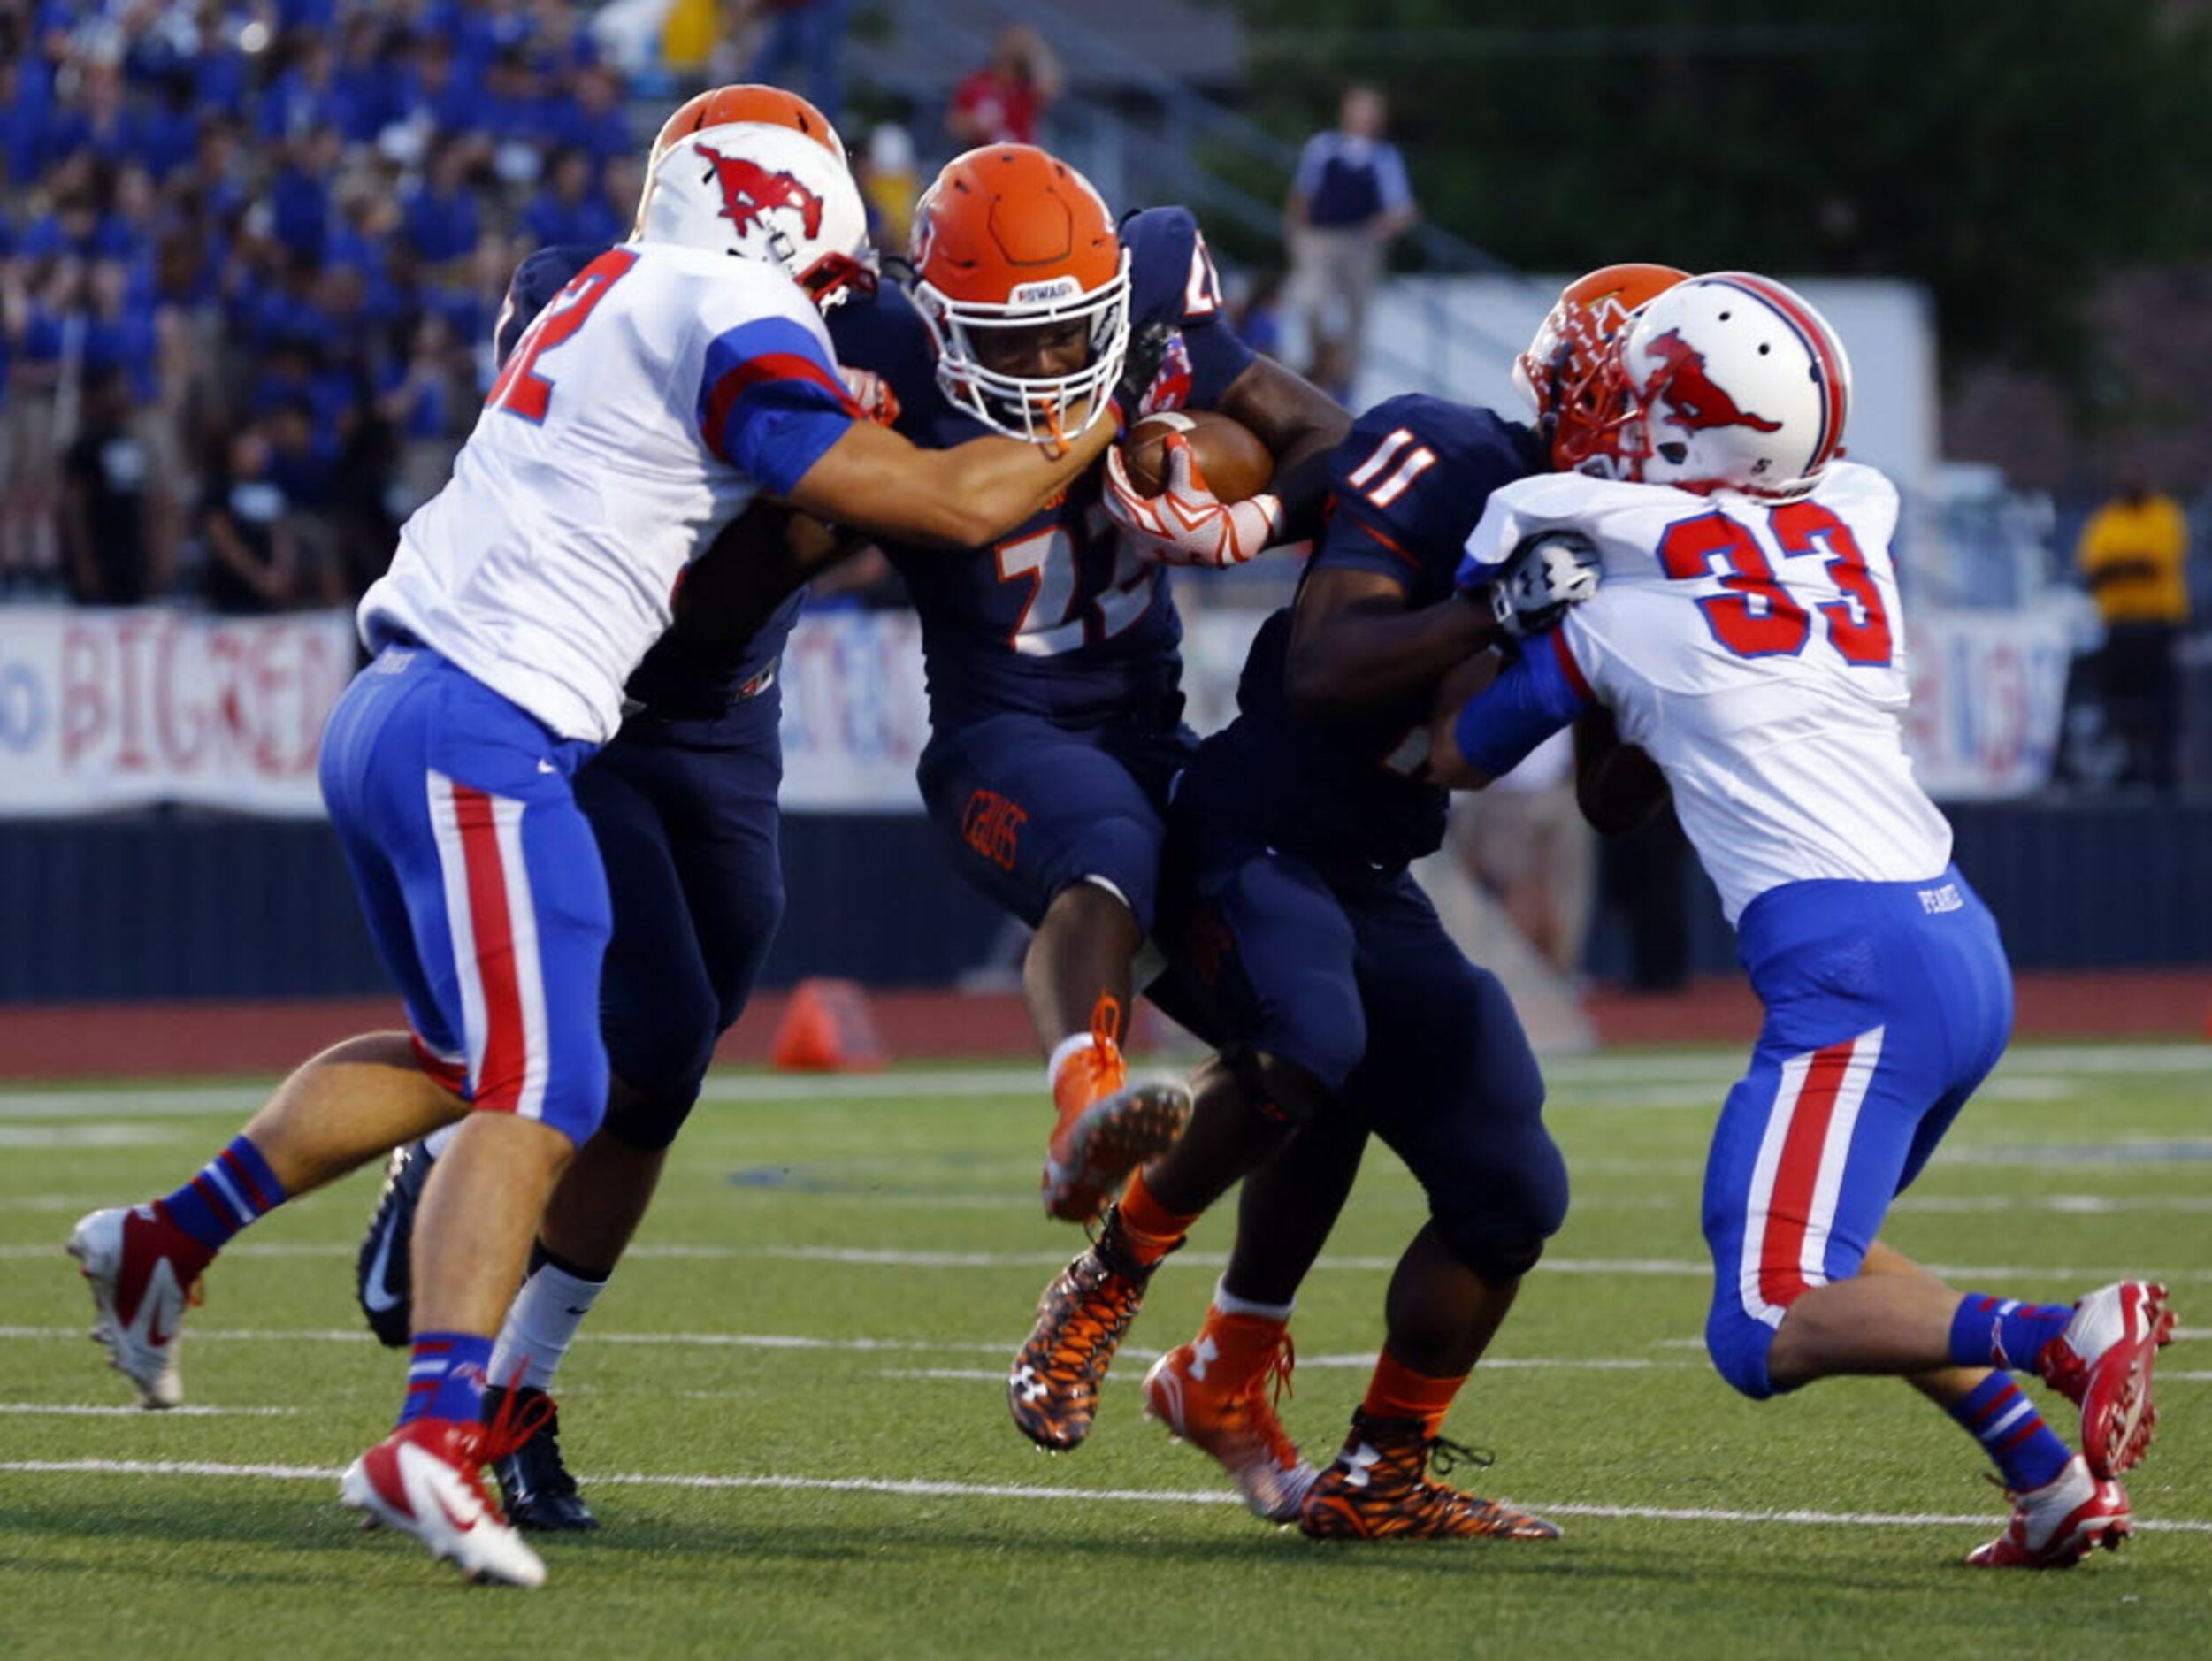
(922, 1488)
(2034, 1072)
(1332, 1363)
(78, 1409)
(893, 1257)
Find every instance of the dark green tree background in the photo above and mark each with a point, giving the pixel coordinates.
(2005, 155)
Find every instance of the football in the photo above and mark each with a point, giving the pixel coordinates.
(1234, 465)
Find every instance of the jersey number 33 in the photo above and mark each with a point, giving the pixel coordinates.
(1758, 616)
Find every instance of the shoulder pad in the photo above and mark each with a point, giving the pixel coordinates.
(536, 280)
(1170, 279)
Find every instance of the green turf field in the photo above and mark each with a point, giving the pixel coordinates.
(791, 1407)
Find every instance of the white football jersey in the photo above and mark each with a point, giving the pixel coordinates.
(1756, 651)
(645, 406)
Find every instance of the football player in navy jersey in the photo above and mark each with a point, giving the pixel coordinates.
(1054, 672)
(1305, 951)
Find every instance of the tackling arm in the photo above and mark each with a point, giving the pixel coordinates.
(1486, 736)
(1354, 644)
(874, 480)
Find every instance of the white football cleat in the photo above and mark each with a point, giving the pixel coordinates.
(2058, 1525)
(139, 1297)
(2102, 1363)
(426, 1479)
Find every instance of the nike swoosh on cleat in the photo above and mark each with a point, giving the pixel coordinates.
(154, 1335)
(375, 1292)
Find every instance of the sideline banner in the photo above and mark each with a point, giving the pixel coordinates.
(107, 709)
(855, 714)
(1988, 698)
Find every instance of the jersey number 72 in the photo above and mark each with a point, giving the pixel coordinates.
(520, 390)
(1758, 616)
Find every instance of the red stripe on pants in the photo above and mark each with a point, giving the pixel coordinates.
(1797, 1177)
(499, 1079)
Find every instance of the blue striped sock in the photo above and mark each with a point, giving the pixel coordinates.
(445, 1378)
(2003, 1332)
(231, 1190)
(1999, 1416)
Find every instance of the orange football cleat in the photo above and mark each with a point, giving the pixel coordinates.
(1379, 1489)
(1053, 1388)
(1218, 1392)
(1108, 1126)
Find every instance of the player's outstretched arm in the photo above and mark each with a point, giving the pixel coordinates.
(1485, 719)
(1354, 644)
(872, 480)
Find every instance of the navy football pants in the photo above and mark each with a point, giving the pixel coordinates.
(689, 839)
(1355, 981)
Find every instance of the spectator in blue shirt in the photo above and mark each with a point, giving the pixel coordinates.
(302, 98)
(1349, 199)
(220, 74)
(513, 115)
(439, 217)
(591, 119)
(571, 209)
(170, 132)
(22, 120)
(299, 192)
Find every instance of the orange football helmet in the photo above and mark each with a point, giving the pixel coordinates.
(1571, 371)
(1011, 238)
(726, 106)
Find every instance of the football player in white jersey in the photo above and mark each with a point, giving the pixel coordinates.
(679, 376)
(1746, 636)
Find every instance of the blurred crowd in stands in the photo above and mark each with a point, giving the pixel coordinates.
(249, 263)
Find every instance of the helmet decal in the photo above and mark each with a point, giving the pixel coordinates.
(750, 191)
(1692, 399)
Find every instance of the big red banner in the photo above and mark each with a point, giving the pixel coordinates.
(101, 709)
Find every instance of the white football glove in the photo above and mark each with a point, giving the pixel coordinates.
(1549, 571)
(1186, 524)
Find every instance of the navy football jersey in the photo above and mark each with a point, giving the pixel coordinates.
(689, 681)
(1057, 618)
(1408, 486)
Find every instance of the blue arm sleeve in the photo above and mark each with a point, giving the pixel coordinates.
(1537, 696)
(771, 404)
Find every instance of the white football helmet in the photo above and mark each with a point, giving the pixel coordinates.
(767, 193)
(1733, 383)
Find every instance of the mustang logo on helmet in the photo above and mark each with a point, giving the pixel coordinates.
(1692, 401)
(750, 191)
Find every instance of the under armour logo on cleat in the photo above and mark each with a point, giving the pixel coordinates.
(1202, 1352)
(1032, 1387)
(1358, 1465)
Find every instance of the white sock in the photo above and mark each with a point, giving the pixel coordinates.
(1229, 1304)
(1074, 1045)
(540, 1326)
(438, 1140)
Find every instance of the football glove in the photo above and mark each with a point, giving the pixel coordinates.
(877, 401)
(1186, 524)
(1549, 571)
(1140, 368)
